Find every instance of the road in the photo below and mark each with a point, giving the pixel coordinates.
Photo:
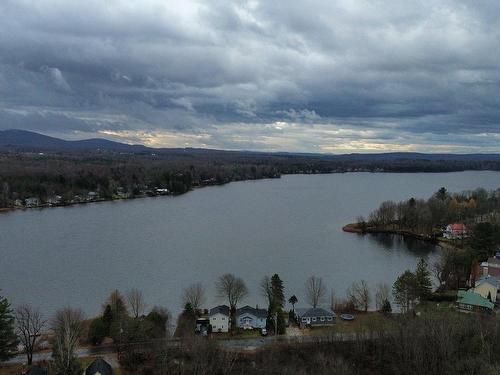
(247, 344)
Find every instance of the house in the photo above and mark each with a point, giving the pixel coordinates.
(99, 367)
(54, 200)
(492, 266)
(455, 231)
(219, 318)
(487, 287)
(470, 301)
(92, 195)
(32, 202)
(249, 317)
(314, 317)
(18, 203)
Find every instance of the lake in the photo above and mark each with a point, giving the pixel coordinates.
(291, 226)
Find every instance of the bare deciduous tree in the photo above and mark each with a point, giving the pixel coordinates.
(231, 287)
(266, 289)
(29, 325)
(359, 294)
(315, 291)
(195, 296)
(382, 295)
(67, 327)
(135, 299)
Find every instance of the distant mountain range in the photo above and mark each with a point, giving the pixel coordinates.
(22, 140)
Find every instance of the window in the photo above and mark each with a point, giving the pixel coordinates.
(223, 318)
(314, 319)
(304, 320)
(214, 318)
(322, 318)
(329, 318)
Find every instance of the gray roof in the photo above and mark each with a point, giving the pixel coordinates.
(314, 312)
(99, 366)
(222, 309)
(259, 313)
(492, 280)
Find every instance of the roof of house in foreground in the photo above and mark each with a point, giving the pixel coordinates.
(473, 299)
(221, 309)
(312, 312)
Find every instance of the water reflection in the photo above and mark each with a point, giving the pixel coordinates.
(393, 242)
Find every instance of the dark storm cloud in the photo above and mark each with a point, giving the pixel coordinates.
(304, 75)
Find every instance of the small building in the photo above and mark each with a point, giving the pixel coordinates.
(32, 202)
(249, 317)
(314, 317)
(455, 231)
(54, 200)
(487, 286)
(219, 318)
(470, 301)
(19, 203)
(99, 367)
(92, 195)
(492, 266)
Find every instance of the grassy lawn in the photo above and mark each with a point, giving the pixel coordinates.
(240, 334)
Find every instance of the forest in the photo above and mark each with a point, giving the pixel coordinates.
(71, 175)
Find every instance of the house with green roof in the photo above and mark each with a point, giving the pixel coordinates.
(471, 301)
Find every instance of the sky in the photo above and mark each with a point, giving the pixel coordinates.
(331, 76)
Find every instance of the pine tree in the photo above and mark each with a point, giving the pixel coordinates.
(423, 279)
(8, 338)
(405, 290)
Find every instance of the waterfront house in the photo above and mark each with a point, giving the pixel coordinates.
(487, 286)
(492, 266)
(219, 318)
(249, 317)
(92, 195)
(99, 367)
(19, 203)
(314, 317)
(470, 301)
(32, 202)
(54, 200)
(455, 231)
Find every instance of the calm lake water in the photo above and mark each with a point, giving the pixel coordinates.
(293, 226)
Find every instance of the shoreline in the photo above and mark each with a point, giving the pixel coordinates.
(356, 228)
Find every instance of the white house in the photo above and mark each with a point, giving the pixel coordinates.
(219, 318)
(32, 202)
(455, 231)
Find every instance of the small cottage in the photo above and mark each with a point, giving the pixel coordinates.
(249, 317)
(314, 317)
(470, 301)
(455, 231)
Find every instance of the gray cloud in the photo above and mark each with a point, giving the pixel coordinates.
(297, 76)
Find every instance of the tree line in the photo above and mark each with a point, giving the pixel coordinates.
(429, 216)
(113, 174)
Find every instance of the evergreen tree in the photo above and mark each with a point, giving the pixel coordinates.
(275, 317)
(107, 319)
(405, 290)
(423, 277)
(386, 307)
(8, 338)
(292, 301)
